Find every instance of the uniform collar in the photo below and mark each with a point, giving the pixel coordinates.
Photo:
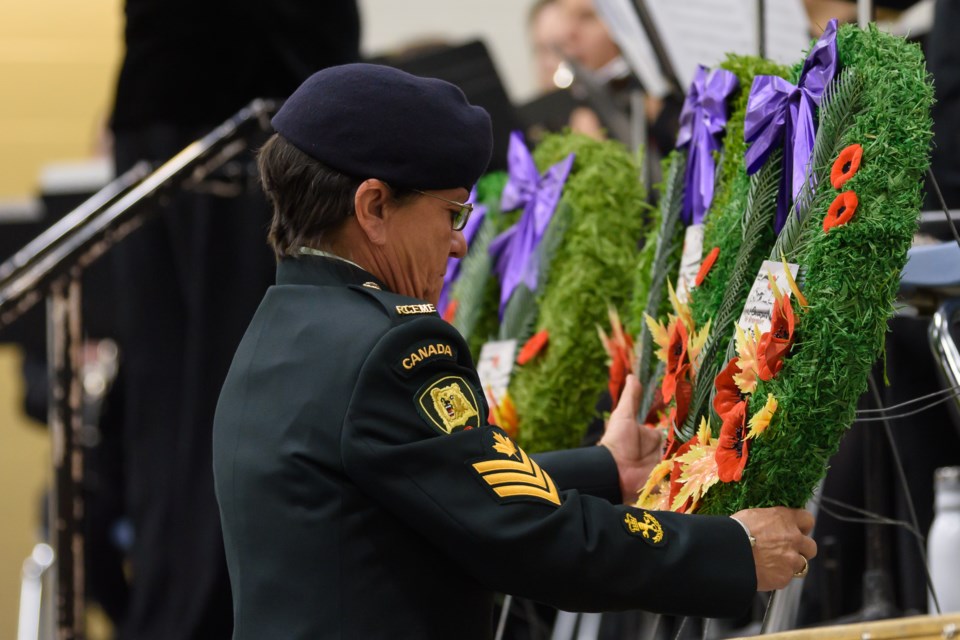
(324, 270)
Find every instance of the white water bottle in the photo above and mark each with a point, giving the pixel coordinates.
(943, 543)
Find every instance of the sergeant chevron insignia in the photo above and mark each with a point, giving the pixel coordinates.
(448, 403)
(516, 477)
(649, 528)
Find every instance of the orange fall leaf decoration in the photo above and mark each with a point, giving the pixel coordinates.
(706, 265)
(451, 311)
(503, 413)
(533, 347)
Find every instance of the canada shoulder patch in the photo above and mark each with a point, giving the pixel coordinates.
(647, 528)
(511, 474)
(448, 404)
(426, 352)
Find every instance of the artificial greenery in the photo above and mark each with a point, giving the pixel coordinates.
(852, 275)
(721, 228)
(757, 220)
(555, 393)
(644, 273)
(660, 261)
(476, 290)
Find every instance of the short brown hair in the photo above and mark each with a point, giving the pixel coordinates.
(308, 198)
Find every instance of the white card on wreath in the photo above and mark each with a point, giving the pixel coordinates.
(690, 261)
(495, 366)
(759, 305)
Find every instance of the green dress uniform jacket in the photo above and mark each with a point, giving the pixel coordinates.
(363, 494)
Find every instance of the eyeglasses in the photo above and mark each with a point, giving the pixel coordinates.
(459, 217)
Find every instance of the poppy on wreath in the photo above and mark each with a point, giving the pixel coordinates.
(775, 344)
(846, 165)
(732, 447)
(841, 210)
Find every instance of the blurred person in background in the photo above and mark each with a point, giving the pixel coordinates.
(591, 49)
(548, 31)
(189, 281)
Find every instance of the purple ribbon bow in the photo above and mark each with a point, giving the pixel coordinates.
(453, 264)
(702, 120)
(778, 112)
(515, 249)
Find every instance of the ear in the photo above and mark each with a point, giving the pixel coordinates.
(371, 205)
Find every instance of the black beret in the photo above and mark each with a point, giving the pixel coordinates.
(372, 121)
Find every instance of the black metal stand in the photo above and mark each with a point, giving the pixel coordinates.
(878, 601)
(52, 265)
(64, 342)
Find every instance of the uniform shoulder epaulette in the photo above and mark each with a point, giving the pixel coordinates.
(396, 306)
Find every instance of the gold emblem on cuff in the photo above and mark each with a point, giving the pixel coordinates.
(650, 528)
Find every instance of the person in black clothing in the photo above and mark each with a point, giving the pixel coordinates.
(189, 281)
(362, 492)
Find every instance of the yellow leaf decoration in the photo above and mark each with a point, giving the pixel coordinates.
(793, 283)
(773, 285)
(704, 434)
(605, 341)
(682, 309)
(658, 473)
(747, 342)
(660, 335)
(697, 340)
(504, 445)
(658, 500)
(761, 420)
(699, 473)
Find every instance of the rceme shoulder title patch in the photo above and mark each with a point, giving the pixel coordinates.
(512, 474)
(414, 309)
(449, 404)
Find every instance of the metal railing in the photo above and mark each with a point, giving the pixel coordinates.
(51, 267)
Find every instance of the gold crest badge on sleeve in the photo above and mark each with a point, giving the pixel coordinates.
(449, 404)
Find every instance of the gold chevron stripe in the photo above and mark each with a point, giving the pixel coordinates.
(509, 478)
(524, 466)
(513, 490)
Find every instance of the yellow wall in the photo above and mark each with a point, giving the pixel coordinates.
(58, 61)
(24, 469)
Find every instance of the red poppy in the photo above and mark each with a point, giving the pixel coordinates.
(676, 359)
(683, 395)
(731, 446)
(706, 265)
(619, 368)
(841, 211)
(671, 382)
(451, 311)
(678, 412)
(533, 346)
(728, 393)
(775, 344)
(846, 165)
(657, 408)
(677, 348)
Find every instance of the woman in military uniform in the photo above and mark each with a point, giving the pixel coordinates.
(361, 490)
